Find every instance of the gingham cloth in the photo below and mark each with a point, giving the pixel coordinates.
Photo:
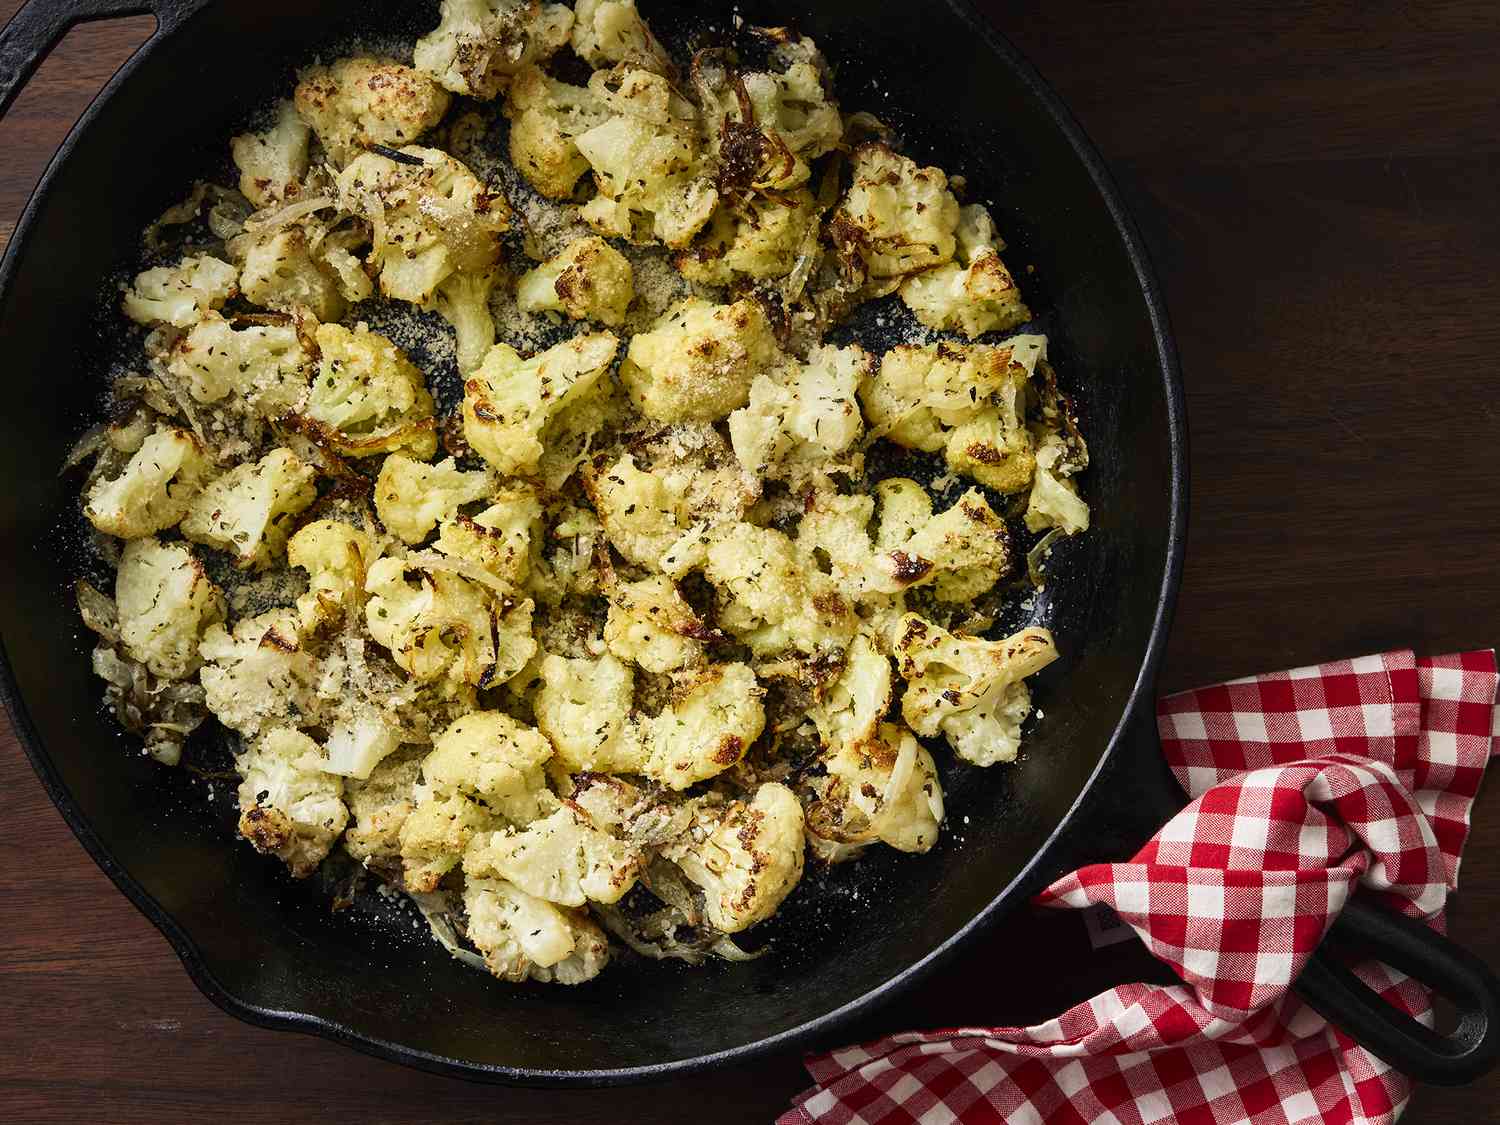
(1304, 784)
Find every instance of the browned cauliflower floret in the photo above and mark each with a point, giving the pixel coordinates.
(962, 551)
(606, 32)
(178, 295)
(898, 217)
(523, 937)
(500, 538)
(973, 294)
(259, 675)
(280, 271)
(155, 488)
(647, 161)
(745, 857)
(289, 807)
(757, 237)
(413, 497)
(705, 730)
(335, 556)
(264, 362)
(363, 101)
(698, 362)
(439, 624)
(774, 600)
(882, 788)
(434, 835)
(970, 690)
(510, 402)
(651, 624)
(367, 397)
(802, 412)
(560, 858)
(969, 401)
(590, 280)
(583, 707)
(164, 602)
(247, 512)
(480, 44)
(379, 806)
(546, 118)
(273, 162)
(431, 218)
(849, 708)
(492, 758)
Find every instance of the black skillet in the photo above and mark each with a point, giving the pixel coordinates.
(1092, 786)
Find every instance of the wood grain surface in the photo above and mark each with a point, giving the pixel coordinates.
(1318, 184)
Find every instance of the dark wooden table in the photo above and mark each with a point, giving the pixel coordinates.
(1319, 184)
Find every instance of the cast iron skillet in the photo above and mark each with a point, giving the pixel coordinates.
(1092, 786)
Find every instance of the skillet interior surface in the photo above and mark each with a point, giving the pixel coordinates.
(270, 949)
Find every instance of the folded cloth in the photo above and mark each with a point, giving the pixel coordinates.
(1304, 785)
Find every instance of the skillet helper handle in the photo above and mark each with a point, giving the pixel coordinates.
(1331, 989)
(39, 26)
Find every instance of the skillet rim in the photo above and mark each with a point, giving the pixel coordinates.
(998, 46)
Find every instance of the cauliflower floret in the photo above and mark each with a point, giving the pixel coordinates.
(651, 624)
(757, 238)
(433, 836)
(335, 556)
(413, 497)
(746, 857)
(288, 807)
(155, 488)
(970, 690)
(546, 118)
(367, 397)
(774, 601)
(492, 758)
(963, 551)
(698, 362)
(247, 511)
(969, 401)
(705, 731)
(273, 161)
(178, 295)
(899, 218)
(463, 300)
(263, 361)
(362, 101)
(523, 936)
(766, 127)
(882, 788)
(1054, 502)
(606, 32)
(849, 708)
(431, 218)
(974, 294)
(279, 271)
(637, 509)
(437, 623)
(259, 675)
(647, 162)
(498, 538)
(165, 601)
(802, 412)
(509, 402)
(590, 280)
(379, 806)
(583, 706)
(560, 858)
(481, 44)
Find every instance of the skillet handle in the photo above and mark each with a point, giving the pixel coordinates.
(1330, 988)
(1142, 795)
(39, 26)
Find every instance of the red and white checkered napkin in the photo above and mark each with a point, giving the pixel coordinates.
(1305, 784)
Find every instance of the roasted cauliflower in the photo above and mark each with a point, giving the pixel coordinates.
(364, 101)
(590, 280)
(481, 44)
